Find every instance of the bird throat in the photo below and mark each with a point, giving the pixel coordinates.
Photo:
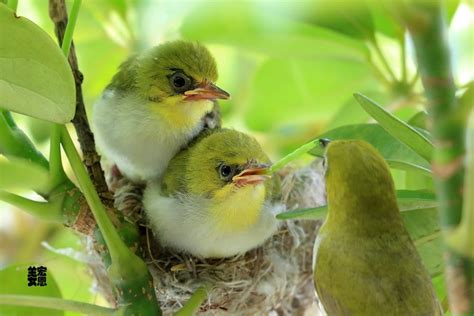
(181, 114)
(237, 209)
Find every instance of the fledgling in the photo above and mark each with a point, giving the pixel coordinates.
(365, 262)
(157, 102)
(215, 199)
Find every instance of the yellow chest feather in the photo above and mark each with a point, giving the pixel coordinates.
(237, 211)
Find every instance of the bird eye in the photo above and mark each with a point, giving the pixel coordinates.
(180, 82)
(225, 172)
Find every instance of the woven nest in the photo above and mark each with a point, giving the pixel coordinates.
(274, 279)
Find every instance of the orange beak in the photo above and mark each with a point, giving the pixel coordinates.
(206, 91)
(254, 175)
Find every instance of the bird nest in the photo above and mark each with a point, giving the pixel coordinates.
(274, 279)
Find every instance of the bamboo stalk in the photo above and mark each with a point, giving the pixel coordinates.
(427, 28)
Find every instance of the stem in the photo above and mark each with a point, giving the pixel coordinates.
(428, 29)
(115, 245)
(43, 210)
(55, 303)
(292, 156)
(13, 5)
(192, 305)
(56, 171)
(67, 40)
(378, 73)
(383, 60)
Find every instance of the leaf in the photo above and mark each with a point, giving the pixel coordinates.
(384, 21)
(35, 77)
(423, 226)
(14, 281)
(248, 26)
(397, 154)
(287, 90)
(407, 201)
(22, 174)
(352, 19)
(397, 128)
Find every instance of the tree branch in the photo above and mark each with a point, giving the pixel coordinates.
(58, 14)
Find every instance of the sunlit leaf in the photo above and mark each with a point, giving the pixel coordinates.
(397, 154)
(14, 280)
(397, 128)
(22, 174)
(35, 78)
(246, 25)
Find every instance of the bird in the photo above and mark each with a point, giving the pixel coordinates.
(364, 260)
(216, 199)
(156, 103)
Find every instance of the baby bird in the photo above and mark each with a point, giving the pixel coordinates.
(215, 199)
(156, 104)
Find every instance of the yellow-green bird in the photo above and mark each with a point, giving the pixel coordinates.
(215, 199)
(364, 260)
(157, 102)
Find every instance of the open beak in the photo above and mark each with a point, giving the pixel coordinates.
(206, 91)
(253, 175)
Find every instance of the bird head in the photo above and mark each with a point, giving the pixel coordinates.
(178, 72)
(225, 162)
(358, 178)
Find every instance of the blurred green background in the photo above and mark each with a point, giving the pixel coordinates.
(291, 68)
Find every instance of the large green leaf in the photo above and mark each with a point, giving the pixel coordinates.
(246, 25)
(14, 281)
(397, 128)
(22, 174)
(397, 154)
(35, 78)
(287, 90)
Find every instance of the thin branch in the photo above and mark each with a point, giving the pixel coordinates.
(58, 13)
(382, 58)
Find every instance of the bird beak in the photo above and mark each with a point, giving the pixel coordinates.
(253, 175)
(206, 91)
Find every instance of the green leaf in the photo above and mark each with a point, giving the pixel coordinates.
(14, 281)
(35, 77)
(419, 120)
(246, 25)
(397, 154)
(408, 200)
(397, 128)
(353, 18)
(383, 20)
(287, 90)
(22, 174)
(423, 226)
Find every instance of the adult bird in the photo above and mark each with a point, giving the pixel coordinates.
(157, 102)
(365, 262)
(215, 199)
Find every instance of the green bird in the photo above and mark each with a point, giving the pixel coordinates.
(157, 102)
(215, 199)
(364, 260)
